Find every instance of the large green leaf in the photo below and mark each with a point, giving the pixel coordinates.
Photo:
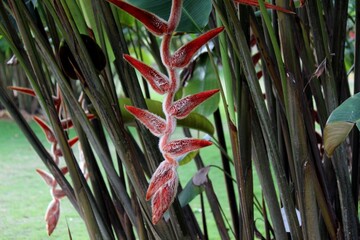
(194, 120)
(194, 16)
(204, 78)
(340, 123)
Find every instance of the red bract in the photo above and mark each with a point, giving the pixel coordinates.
(152, 22)
(181, 108)
(154, 123)
(164, 173)
(162, 199)
(162, 189)
(48, 178)
(179, 147)
(47, 130)
(23, 90)
(158, 81)
(52, 215)
(183, 55)
(255, 3)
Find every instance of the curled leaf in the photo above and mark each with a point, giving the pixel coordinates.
(154, 123)
(183, 55)
(158, 81)
(153, 23)
(179, 147)
(181, 108)
(334, 134)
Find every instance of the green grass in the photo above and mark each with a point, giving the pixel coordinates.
(24, 196)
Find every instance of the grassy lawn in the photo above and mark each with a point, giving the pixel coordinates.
(24, 196)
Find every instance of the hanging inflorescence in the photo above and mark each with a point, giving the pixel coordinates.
(164, 182)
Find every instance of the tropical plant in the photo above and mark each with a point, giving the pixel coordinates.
(279, 70)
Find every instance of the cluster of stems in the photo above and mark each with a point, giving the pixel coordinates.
(163, 184)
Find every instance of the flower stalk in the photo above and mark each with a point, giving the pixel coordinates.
(163, 184)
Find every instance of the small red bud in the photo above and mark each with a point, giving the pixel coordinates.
(181, 108)
(179, 147)
(152, 22)
(154, 123)
(52, 215)
(158, 81)
(183, 55)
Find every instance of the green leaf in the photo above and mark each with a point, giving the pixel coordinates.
(340, 123)
(194, 120)
(348, 111)
(188, 158)
(204, 78)
(194, 16)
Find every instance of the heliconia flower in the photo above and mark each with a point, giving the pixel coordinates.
(162, 189)
(58, 193)
(67, 123)
(181, 108)
(158, 81)
(255, 3)
(153, 23)
(27, 91)
(48, 178)
(183, 55)
(179, 147)
(52, 215)
(154, 123)
(47, 130)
